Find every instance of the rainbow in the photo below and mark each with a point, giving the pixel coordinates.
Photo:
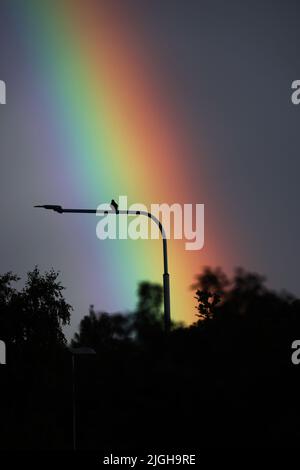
(112, 120)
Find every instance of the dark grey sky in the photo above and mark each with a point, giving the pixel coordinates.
(233, 64)
(230, 66)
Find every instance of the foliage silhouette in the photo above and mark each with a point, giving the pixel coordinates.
(148, 318)
(35, 315)
(229, 374)
(101, 330)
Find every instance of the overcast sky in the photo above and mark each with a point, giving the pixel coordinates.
(230, 65)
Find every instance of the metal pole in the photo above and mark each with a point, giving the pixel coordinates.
(74, 402)
(166, 276)
(166, 284)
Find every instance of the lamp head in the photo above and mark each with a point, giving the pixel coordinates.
(54, 208)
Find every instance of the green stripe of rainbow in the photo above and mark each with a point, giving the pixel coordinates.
(119, 130)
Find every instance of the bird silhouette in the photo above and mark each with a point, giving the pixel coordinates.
(114, 206)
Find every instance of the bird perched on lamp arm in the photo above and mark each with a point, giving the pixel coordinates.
(114, 206)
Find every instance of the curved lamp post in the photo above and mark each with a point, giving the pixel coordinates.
(166, 277)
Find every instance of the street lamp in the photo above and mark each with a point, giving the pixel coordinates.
(166, 277)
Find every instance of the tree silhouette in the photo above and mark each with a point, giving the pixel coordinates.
(35, 315)
(8, 320)
(229, 374)
(100, 330)
(148, 322)
(207, 302)
(104, 330)
(214, 280)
